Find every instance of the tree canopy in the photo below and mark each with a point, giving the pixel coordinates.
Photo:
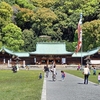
(23, 23)
(12, 37)
(91, 34)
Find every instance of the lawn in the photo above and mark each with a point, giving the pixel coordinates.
(92, 78)
(23, 85)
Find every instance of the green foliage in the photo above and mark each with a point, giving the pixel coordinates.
(43, 3)
(46, 16)
(43, 21)
(12, 37)
(70, 46)
(25, 4)
(24, 17)
(57, 19)
(11, 2)
(1, 44)
(28, 37)
(91, 34)
(6, 13)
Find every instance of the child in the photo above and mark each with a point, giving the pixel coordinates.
(99, 78)
(78, 68)
(62, 75)
(94, 71)
(40, 76)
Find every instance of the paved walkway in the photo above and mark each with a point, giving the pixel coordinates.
(72, 88)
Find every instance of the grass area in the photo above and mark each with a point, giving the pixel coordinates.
(23, 85)
(92, 78)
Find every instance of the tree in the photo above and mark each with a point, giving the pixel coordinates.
(12, 37)
(11, 2)
(25, 4)
(44, 19)
(91, 35)
(56, 19)
(43, 3)
(6, 13)
(63, 25)
(24, 17)
(28, 37)
(72, 10)
(70, 46)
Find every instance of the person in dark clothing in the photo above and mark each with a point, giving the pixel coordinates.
(14, 69)
(94, 71)
(46, 69)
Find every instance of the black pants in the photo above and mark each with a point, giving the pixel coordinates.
(86, 79)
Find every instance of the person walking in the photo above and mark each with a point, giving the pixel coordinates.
(86, 73)
(94, 71)
(46, 69)
(54, 73)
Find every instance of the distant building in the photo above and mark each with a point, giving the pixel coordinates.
(46, 53)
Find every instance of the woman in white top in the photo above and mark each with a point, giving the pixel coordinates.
(86, 74)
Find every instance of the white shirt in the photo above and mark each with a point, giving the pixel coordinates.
(54, 70)
(86, 71)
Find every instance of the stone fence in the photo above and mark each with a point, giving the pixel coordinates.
(5, 66)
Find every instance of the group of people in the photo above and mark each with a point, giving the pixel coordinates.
(53, 71)
(86, 72)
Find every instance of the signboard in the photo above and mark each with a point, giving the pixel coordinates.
(63, 60)
(95, 62)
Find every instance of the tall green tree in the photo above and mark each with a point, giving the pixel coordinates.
(44, 19)
(56, 19)
(12, 37)
(11, 2)
(25, 4)
(91, 35)
(24, 17)
(6, 13)
(28, 37)
(72, 10)
(43, 3)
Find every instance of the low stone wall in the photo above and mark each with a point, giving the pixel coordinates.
(5, 66)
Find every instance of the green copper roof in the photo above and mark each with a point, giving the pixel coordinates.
(93, 51)
(3, 49)
(22, 54)
(79, 54)
(51, 48)
(83, 54)
(46, 48)
(19, 54)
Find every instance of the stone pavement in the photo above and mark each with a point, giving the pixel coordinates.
(72, 88)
